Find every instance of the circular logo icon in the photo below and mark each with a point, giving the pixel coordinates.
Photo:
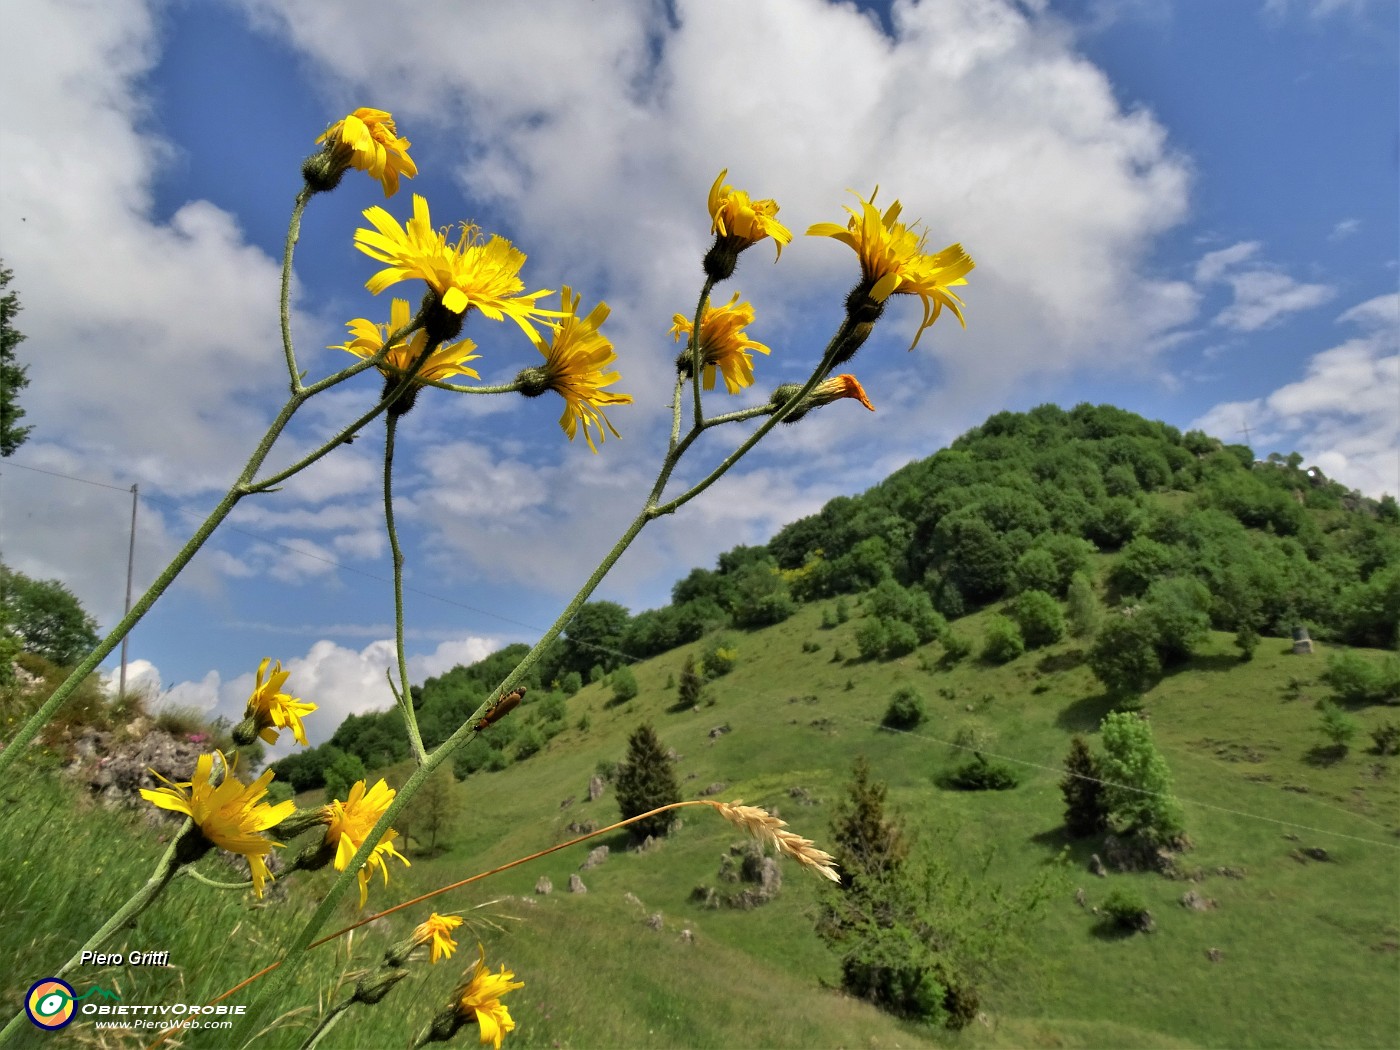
(49, 1003)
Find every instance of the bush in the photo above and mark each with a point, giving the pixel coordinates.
(624, 685)
(1003, 641)
(1357, 680)
(528, 742)
(906, 709)
(956, 648)
(1085, 614)
(720, 656)
(872, 638)
(1137, 784)
(1124, 656)
(1336, 726)
(1126, 909)
(1039, 617)
(903, 639)
(981, 775)
(571, 683)
(1386, 739)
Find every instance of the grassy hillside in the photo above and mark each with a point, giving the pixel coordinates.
(1308, 948)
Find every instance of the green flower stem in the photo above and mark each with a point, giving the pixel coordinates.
(675, 417)
(696, 360)
(165, 870)
(285, 309)
(190, 873)
(327, 1023)
(405, 698)
(499, 388)
(773, 420)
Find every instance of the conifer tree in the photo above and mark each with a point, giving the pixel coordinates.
(691, 685)
(1082, 788)
(645, 780)
(13, 375)
(868, 844)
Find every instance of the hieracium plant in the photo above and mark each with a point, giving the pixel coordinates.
(462, 274)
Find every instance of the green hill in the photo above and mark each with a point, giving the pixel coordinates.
(1295, 842)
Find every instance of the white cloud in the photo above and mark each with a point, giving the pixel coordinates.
(1344, 229)
(1262, 295)
(1344, 414)
(1315, 9)
(1213, 265)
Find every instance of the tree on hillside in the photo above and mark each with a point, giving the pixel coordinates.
(1137, 784)
(692, 686)
(1082, 787)
(13, 375)
(1124, 656)
(1085, 613)
(868, 844)
(46, 616)
(593, 638)
(624, 685)
(646, 779)
(916, 937)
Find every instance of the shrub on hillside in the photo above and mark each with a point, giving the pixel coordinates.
(906, 709)
(1336, 726)
(720, 656)
(1124, 656)
(1039, 617)
(624, 685)
(1126, 909)
(1356, 680)
(981, 774)
(1002, 642)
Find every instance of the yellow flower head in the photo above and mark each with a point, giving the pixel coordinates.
(893, 262)
(468, 275)
(448, 360)
(271, 710)
(480, 997)
(574, 360)
(438, 929)
(348, 823)
(231, 815)
(723, 343)
(368, 140)
(743, 220)
(837, 387)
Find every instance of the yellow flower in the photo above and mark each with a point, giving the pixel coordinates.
(723, 343)
(448, 360)
(272, 709)
(743, 220)
(837, 387)
(470, 275)
(480, 997)
(438, 929)
(893, 262)
(368, 140)
(230, 815)
(348, 823)
(573, 367)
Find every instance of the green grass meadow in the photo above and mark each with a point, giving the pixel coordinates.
(1307, 948)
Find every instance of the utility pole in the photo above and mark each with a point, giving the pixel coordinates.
(1245, 431)
(130, 562)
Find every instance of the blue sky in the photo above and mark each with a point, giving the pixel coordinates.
(1187, 209)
